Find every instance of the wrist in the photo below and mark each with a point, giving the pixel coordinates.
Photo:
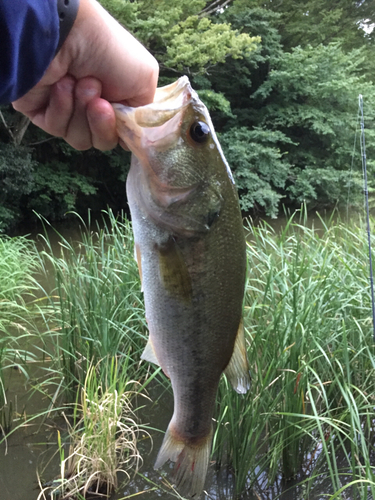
(67, 12)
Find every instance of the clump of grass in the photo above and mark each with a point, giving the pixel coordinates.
(311, 352)
(103, 440)
(97, 304)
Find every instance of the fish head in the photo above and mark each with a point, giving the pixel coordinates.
(183, 167)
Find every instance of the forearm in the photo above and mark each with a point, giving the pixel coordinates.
(29, 34)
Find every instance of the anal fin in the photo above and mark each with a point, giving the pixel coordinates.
(237, 370)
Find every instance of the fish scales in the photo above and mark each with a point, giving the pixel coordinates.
(191, 254)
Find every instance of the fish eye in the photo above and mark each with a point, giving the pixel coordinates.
(199, 132)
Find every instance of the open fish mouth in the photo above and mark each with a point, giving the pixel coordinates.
(158, 125)
(172, 91)
(169, 101)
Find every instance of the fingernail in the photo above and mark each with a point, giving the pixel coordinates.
(66, 85)
(89, 92)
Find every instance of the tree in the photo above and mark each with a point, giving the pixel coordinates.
(186, 40)
(280, 78)
(311, 96)
(42, 173)
(307, 97)
(181, 35)
(314, 22)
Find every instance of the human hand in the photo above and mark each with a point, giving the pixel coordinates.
(99, 62)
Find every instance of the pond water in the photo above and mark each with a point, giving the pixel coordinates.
(32, 449)
(28, 447)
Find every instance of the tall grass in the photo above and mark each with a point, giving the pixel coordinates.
(18, 263)
(87, 335)
(18, 291)
(311, 352)
(97, 304)
(95, 336)
(309, 415)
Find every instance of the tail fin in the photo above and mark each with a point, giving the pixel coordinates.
(191, 462)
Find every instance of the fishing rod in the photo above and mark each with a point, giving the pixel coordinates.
(365, 190)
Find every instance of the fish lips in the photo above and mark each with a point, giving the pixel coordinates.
(157, 124)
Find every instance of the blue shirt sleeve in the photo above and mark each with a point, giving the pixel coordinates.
(29, 34)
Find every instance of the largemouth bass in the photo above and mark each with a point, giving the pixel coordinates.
(190, 248)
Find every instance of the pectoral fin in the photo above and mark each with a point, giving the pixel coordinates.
(237, 370)
(149, 354)
(174, 272)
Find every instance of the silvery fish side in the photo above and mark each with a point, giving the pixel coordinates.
(190, 249)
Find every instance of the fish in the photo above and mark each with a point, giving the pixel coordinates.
(191, 253)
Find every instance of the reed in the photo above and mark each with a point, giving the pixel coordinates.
(19, 288)
(307, 314)
(18, 311)
(95, 335)
(308, 321)
(97, 308)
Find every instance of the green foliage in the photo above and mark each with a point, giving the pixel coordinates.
(97, 310)
(198, 42)
(179, 34)
(311, 97)
(18, 263)
(281, 80)
(103, 442)
(16, 180)
(56, 188)
(258, 166)
(307, 315)
(216, 101)
(305, 22)
(102, 325)
(50, 177)
(308, 96)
